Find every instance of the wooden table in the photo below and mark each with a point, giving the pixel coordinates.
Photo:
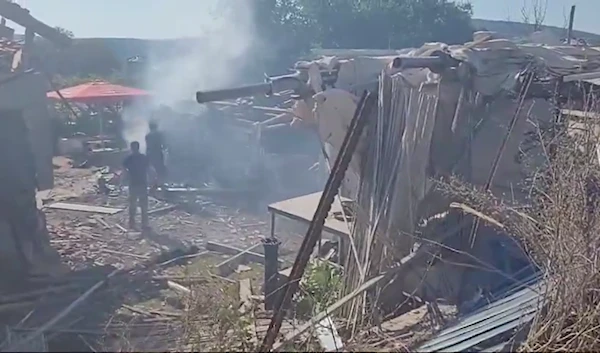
(302, 209)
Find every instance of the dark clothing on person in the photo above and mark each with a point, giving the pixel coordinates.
(137, 165)
(138, 195)
(154, 151)
(154, 145)
(137, 169)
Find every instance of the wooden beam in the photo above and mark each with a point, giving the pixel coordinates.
(226, 267)
(328, 335)
(164, 209)
(245, 296)
(583, 76)
(21, 16)
(179, 288)
(230, 250)
(580, 114)
(247, 307)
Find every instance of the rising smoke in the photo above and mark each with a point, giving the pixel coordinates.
(214, 60)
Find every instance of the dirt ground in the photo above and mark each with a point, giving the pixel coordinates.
(88, 240)
(84, 238)
(169, 294)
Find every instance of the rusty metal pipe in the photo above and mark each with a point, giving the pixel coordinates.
(295, 82)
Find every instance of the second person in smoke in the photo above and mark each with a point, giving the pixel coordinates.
(136, 165)
(155, 148)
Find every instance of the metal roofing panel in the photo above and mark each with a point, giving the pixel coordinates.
(484, 334)
(492, 320)
(507, 313)
(496, 308)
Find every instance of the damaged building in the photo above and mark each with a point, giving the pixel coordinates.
(27, 147)
(443, 113)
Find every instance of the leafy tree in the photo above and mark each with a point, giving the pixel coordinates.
(373, 24)
(284, 29)
(64, 31)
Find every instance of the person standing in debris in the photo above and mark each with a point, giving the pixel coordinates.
(155, 151)
(136, 165)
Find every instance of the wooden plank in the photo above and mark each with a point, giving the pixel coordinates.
(162, 209)
(226, 267)
(245, 296)
(580, 114)
(182, 257)
(328, 335)
(179, 288)
(231, 250)
(246, 307)
(84, 208)
(582, 77)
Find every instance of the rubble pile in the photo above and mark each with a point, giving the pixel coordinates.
(490, 115)
(458, 215)
(87, 232)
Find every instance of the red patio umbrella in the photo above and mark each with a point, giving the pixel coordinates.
(98, 92)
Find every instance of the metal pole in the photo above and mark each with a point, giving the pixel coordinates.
(363, 111)
(570, 29)
(272, 291)
(272, 225)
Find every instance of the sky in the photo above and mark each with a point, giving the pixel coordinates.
(159, 19)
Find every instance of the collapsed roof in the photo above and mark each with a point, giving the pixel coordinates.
(433, 101)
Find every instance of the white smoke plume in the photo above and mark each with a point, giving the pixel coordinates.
(214, 61)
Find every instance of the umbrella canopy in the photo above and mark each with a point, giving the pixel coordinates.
(98, 92)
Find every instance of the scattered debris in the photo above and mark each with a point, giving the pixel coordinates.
(328, 336)
(226, 267)
(144, 257)
(34, 335)
(162, 209)
(179, 288)
(230, 250)
(242, 268)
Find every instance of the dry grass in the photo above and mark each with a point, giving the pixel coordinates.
(561, 231)
(213, 322)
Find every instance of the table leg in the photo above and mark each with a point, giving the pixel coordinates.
(272, 225)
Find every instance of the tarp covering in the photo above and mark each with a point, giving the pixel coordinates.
(99, 92)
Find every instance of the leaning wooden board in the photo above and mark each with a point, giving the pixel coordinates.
(84, 208)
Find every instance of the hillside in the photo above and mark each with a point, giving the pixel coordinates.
(511, 29)
(124, 48)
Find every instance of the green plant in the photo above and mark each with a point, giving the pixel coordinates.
(321, 286)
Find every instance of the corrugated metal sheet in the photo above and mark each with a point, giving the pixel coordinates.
(471, 332)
